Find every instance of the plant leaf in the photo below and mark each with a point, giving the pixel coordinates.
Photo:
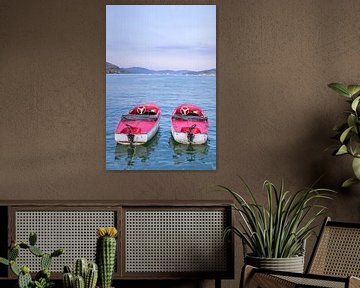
(342, 150)
(355, 103)
(279, 228)
(345, 134)
(353, 89)
(340, 88)
(4, 261)
(349, 182)
(14, 268)
(351, 120)
(356, 167)
(354, 144)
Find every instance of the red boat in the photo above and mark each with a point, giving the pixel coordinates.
(189, 124)
(139, 125)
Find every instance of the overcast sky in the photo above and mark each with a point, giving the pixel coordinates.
(161, 36)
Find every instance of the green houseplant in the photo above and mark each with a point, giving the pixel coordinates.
(348, 132)
(275, 233)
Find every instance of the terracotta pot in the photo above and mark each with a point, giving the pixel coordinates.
(291, 264)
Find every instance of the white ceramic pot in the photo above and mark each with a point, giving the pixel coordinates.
(291, 264)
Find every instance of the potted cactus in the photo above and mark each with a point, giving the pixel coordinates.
(85, 275)
(42, 278)
(106, 254)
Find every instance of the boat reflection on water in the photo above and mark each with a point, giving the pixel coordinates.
(131, 154)
(187, 152)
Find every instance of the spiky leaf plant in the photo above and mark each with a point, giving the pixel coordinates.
(348, 132)
(279, 229)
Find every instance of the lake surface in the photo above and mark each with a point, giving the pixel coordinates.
(124, 91)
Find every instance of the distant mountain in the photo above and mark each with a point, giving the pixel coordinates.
(113, 69)
(204, 72)
(138, 70)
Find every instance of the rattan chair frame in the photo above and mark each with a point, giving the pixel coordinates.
(254, 277)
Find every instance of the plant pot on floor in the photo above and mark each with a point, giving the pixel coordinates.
(290, 264)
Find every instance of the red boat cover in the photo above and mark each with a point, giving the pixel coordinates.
(189, 118)
(189, 109)
(189, 130)
(145, 109)
(148, 117)
(131, 130)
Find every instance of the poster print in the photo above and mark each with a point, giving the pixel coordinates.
(160, 87)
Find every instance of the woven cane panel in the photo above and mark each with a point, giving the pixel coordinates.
(268, 280)
(338, 253)
(306, 282)
(75, 231)
(175, 241)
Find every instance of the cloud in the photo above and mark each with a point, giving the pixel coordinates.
(205, 48)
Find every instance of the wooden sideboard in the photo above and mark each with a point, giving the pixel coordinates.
(157, 240)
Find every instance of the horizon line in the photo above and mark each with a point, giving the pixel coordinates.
(157, 70)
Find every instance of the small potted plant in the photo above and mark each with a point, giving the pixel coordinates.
(275, 233)
(348, 132)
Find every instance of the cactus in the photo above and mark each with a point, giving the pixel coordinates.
(43, 274)
(42, 278)
(24, 245)
(79, 282)
(36, 251)
(105, 254)
(80, 268)
(14, 268)
(90, 272)
(91, 276)
(45, 261)
(32, 238)
(13, 253)
(24, 280)
(68, 280)
(57, 252)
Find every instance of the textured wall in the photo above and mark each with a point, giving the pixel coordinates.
(275, 113)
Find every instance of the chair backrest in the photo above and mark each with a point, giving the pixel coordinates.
(337, 251)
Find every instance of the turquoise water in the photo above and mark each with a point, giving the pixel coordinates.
(123, 91)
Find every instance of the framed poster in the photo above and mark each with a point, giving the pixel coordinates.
(160, 87)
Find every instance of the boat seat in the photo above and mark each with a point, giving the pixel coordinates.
(134, 117)
(189, 117)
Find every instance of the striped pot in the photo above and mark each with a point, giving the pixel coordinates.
(291, 264)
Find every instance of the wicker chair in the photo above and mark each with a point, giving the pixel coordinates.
(334, 263)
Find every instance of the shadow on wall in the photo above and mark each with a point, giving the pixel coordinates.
(335, 170)
(311, 159)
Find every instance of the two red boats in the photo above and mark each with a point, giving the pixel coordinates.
(189, 125)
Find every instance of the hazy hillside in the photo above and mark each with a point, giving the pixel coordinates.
(113, 69)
